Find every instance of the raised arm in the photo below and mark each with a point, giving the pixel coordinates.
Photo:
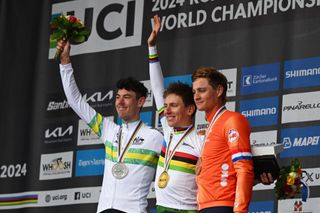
(155, 72)
(74, 97)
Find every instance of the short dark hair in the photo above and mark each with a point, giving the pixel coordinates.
(134, 85)
(214, 77)
(182, 90)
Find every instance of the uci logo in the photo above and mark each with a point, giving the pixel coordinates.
(114, 24)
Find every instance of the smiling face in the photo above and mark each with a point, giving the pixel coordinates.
(205, 96)
(176, 113)
(127, 105)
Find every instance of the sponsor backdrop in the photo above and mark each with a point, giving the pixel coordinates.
(269, 50)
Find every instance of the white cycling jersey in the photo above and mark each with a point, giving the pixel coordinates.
(180, 193)
(130, 193)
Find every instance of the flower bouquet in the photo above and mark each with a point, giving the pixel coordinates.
(68, 28)
(289, 183)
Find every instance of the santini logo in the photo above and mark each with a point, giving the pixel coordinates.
(95, 98)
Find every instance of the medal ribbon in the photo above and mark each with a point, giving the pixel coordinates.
(214, 119)
(125, 150)
(168, 155)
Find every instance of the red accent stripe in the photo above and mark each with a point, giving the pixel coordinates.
(185, 155)
(234, 151)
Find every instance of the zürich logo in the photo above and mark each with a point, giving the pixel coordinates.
(247, 80)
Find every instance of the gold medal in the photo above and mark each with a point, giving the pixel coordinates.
(163, 180)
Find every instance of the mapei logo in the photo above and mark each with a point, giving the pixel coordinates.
(114, 24)
(303, 141)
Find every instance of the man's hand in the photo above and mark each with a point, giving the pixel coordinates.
(266, 179)
(64, 47)
(155, 31)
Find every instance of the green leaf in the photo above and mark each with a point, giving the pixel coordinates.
(78, 39)
(57, 35)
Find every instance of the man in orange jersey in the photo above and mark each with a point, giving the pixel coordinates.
(225, 171)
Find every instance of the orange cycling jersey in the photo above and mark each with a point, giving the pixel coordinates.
(226, 176)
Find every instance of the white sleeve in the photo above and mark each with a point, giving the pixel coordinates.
(156, 77)
(74, 97)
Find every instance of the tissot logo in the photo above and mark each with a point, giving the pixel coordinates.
(231, 75)
(303, 141)
(114, 24)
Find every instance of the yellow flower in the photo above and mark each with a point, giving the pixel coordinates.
(290, 180)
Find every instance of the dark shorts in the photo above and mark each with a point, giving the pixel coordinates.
(112, 211)
(162, 209)
(218, 209)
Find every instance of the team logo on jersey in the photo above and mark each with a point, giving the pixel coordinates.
(138, 141)
(233, 135)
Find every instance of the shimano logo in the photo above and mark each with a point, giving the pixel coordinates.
(57, 105)
(259, 112)
(58, 132)
(301, 106)
(302, 72)
(300, 142)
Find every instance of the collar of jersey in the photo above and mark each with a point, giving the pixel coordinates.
(130, 124)
(180, 130)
